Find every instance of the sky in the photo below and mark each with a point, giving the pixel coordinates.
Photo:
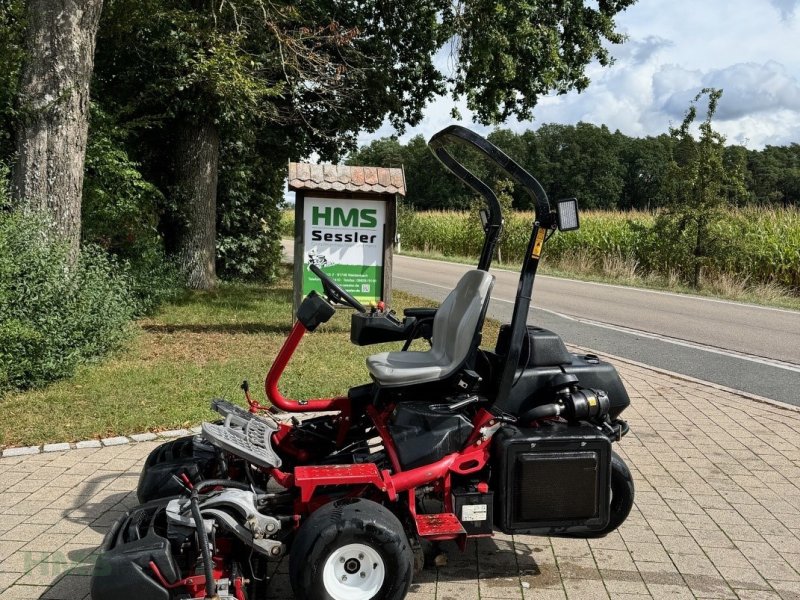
(749, 48)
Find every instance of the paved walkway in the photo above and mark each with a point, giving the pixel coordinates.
(717, 513)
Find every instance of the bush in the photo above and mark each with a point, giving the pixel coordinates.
(248, 216)
(120, 213)
(52, 317)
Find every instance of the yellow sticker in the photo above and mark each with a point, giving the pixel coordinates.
(592, 401)
(537, 245)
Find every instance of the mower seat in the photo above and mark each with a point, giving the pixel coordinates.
(455, 325)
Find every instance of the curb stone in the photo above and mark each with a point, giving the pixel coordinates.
(56, 447)
(115, 441)
(88, 444)
(104, 442)
(122, 440)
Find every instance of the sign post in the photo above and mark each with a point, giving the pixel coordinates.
(345, 223)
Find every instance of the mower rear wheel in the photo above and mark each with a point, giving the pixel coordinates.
(351, 549)
(622, 494)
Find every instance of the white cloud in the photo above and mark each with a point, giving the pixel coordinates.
(749, 48)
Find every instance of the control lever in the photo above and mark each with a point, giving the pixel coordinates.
(456, 406)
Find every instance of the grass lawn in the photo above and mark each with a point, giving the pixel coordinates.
(192, 350)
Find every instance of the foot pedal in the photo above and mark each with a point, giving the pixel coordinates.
(243, 434)
(439, 526)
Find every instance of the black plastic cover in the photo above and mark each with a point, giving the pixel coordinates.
(420, 313)
(552, 480)
(533, 385)
(424, 433)
(122, 570)
(314, 310)
(378, 327)
(540, 348)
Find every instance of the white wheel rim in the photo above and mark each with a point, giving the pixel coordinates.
(353, 572)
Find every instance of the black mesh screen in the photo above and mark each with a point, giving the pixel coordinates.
(555, 486)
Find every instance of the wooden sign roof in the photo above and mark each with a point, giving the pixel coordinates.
(346, 178)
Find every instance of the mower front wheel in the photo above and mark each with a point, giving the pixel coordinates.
(351, 549)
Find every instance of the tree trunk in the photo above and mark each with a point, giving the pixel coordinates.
(54, 108)
(699, 251)
(196, 165)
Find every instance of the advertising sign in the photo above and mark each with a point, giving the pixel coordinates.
(345, 239)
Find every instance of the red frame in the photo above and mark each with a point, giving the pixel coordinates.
(307, 477)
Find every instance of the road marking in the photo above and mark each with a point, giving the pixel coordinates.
(637, 332)
(619, 287)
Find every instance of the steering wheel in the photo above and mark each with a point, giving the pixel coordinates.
(334, 292)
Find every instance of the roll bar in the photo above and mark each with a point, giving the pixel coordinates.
(455, 134)
(544, 220)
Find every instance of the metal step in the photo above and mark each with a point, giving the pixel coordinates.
(439, 526)
(226, 408)
(243, 434)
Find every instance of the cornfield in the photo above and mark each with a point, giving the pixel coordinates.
(761, 245)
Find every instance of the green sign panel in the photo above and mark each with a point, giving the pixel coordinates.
(345, 239)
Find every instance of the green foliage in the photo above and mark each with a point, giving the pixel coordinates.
(287, 222)
(687, 233)
(294, 78)
(604, 170)
(12, 26)
(248, 223)
(52, 317)
(120, 213)
(511, 53)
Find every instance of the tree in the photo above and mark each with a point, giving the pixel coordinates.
(319, 72)
(12, 43)
(700, 182)
(645, 162)
(53, 109)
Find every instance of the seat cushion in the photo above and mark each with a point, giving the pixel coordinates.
(454, 327)
(393, 369)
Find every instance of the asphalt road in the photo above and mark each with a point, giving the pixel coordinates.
(750, 348)
(746, 347)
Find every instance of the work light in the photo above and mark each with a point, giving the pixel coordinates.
(568, 214)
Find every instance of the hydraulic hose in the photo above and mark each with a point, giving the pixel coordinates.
(211, 587)
(543, 412)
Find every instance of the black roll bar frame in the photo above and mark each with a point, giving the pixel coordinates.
(544, 220)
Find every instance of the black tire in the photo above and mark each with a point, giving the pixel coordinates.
(622, 494)
(191, 455)
(343, 524)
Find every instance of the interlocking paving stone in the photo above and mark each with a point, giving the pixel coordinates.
(717, 512)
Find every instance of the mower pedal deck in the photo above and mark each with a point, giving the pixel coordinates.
(244, 436)
(442, 525)
(226, 408)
